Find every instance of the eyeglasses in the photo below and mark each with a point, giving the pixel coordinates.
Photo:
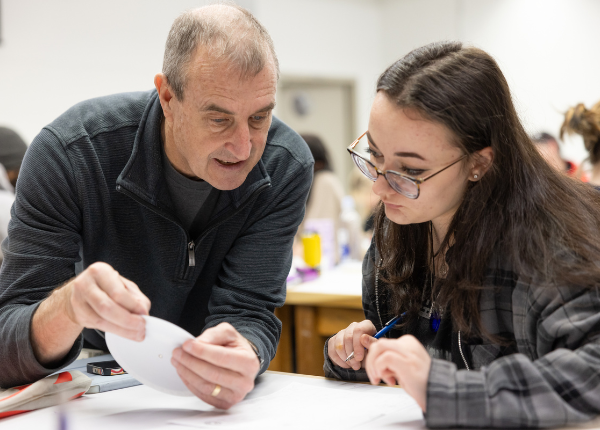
(402, 184)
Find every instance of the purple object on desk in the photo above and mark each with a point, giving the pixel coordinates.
(308, 273)
(302, 274)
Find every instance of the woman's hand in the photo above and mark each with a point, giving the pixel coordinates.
(404, 360)
(355, 338)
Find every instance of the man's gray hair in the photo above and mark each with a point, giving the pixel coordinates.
(232, 35)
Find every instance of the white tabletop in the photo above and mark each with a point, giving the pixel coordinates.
(315, 401)
(345, 278)
(280, 400)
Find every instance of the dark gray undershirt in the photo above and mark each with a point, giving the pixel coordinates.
(188, 195)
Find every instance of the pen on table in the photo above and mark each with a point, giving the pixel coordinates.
(388, 326)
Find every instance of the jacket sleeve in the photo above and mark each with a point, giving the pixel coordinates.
(369, 307)
(554, 380)
(252, 280)
(39, 254)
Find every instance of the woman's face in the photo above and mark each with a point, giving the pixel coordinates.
(401, 140)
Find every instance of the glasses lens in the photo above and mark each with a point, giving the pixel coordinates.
(365, 167)
(402, 185)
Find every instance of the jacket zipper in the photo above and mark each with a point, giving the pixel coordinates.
(190, 244)
(165, 215)
(191, 254)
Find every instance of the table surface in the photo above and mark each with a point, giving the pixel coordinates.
(142, 407)
(340, 286)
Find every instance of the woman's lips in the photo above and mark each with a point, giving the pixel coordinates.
(392, 206)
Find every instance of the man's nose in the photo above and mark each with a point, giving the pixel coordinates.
(240, 143)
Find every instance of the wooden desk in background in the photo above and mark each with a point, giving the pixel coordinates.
(314, 311)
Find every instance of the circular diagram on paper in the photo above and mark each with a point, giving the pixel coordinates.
(149, 361)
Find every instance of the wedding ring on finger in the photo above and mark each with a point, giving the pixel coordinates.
(216, 391)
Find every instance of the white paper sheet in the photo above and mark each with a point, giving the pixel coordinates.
(302, 406)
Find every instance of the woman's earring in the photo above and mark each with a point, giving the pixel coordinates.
(475, 176)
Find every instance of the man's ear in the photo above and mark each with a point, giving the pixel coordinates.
(165, 94)
(482, 161)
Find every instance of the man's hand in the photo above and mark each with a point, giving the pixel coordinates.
(98, 298)
(219, 366)
(404, 360)
(355, 338)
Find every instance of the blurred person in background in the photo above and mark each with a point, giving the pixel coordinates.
(327, 192)
(586, 122)
(550, 150)
(12, 151)
(361, 189)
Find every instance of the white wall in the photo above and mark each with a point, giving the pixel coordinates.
(56, 53)
(409, 24)
(547, 49)
(328, 38)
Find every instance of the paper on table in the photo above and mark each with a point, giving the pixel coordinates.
(300, 406)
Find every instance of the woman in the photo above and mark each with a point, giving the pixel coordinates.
(586, 122)
(491, 257)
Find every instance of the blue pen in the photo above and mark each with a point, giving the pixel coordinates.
(388, 326)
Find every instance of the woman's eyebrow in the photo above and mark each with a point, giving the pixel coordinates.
(397, 154)
(409, 154)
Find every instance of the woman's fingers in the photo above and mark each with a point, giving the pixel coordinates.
(366, 341)
(348, 341)
(404, 360)
(334, 345)
(364, 328)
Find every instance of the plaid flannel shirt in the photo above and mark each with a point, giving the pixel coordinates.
(549, 377)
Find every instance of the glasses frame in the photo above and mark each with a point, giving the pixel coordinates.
(384, 173)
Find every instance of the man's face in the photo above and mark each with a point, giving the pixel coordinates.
(219, 130)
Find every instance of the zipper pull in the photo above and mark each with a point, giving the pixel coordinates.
(191, 254)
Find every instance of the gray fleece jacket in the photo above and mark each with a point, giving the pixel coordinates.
(92, 188)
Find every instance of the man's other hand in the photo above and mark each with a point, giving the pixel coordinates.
(219, 366)
(102, 299)
(97, 298)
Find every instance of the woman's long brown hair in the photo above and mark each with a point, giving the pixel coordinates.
(544, 225)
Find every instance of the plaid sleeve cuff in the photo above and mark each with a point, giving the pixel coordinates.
(455, 398)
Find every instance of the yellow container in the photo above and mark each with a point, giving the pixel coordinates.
(312, 249)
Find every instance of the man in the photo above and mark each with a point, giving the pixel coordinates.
(186, 198)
